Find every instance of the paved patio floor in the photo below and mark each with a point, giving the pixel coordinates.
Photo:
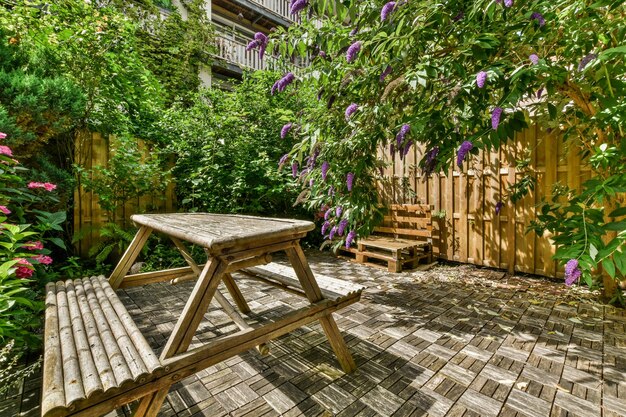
(452, 341)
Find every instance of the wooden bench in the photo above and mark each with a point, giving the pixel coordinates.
(93, 349)
(284, 277)
(96, 359)
(404, 238)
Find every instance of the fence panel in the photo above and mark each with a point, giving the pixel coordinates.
(466, 227)
(92, 149)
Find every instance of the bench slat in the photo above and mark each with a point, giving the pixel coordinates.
(92, 347)
(381, 242)
(332, 288)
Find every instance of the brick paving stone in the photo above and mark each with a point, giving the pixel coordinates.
(425, 343)
(527, 404)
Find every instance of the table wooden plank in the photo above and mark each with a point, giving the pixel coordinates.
(218, 231)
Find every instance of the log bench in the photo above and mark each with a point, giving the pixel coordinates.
(284, 277)
(93, 349)
(96, 359)
(404, 238)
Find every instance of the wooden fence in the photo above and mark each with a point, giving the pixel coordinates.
(92, 149)
(466, 226)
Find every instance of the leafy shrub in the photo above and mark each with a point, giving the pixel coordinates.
(24, 255)
(459, 77)
(227, 145)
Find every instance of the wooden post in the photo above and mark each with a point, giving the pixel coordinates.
(140, 239)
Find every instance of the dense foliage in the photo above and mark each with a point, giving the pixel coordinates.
(27, 235)
(226, 147)
(459, 77)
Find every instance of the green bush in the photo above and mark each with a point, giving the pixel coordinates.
(227, 147)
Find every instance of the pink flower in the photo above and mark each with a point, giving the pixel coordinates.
(5, 210)
(5, 150)
(33, 245)
(47, 186)
(24, 268)
(43, 259)
(3, 135)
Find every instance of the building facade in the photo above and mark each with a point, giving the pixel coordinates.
(235, 23)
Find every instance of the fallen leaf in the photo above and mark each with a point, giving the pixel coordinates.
(575, 320)
(522, 385)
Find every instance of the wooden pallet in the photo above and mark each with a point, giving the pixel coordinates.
(403, 240)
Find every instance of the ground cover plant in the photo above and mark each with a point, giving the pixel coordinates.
(459, 77)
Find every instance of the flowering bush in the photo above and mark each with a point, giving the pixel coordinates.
(24, 255)
(460, 77)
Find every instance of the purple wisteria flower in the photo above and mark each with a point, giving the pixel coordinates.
(281, 84)
(463, 150)
(342, 227)
(402, 133)
(328, 213)
(298, 5)
(338, 211)
(325, 227)
(460, 15)
(495, 117)
(431, 160)
(325, 167)
(405, 151)
(286, 128)
(353, 32)
(311, 182)
(499, 206)
(294, 169)
(350, 180)
(385, 73)
(353, 51)
(534, 58)
(508, 3)
(386, 10)
(572, 272)
(260, 40)
(350, 110)
(331, 100)
(350, 238)
(539, 18)
(322, 54)
(333, 232)
(539, 92)
(586, 60)
(282, 160)
(481, 78)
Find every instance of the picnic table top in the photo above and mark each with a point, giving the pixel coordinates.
(220, 231)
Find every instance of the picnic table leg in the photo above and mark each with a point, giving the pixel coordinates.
(118, 274)
(150, 405)
(185, 328)
(235, 292)
(313, 293)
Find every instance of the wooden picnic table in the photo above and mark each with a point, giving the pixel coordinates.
(84, 376)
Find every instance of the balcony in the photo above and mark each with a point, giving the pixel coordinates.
(267, 13)
(234, 53)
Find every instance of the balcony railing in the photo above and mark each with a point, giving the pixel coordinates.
(234, 52)
(280, 7)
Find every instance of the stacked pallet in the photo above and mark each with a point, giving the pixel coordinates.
(403, 239)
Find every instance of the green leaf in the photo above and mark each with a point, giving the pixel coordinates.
(609, 267)
(618, 212)
(593, 251)
(620, 261)
(58, 242)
